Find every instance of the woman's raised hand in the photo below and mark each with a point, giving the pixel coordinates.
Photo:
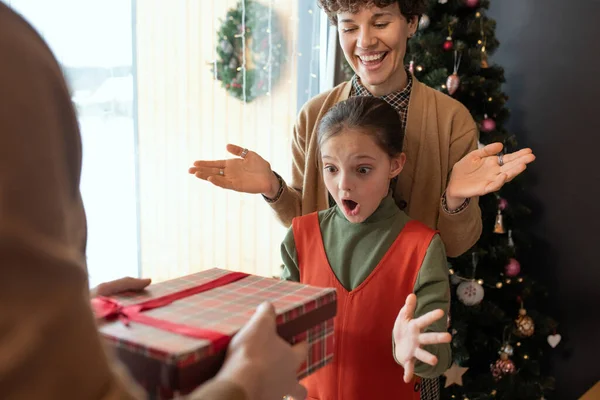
(247, 172)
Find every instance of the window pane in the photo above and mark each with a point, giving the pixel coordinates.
(93, 43)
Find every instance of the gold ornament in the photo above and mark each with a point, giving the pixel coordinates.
(484, 63)
(525, 324)
(499, 225)
(482, 42)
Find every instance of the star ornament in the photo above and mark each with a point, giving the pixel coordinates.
(454, 375)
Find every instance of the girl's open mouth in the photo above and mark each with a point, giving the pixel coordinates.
(351, 207)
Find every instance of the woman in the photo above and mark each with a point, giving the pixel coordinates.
(444, 172)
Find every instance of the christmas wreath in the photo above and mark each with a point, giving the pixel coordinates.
(250, 51)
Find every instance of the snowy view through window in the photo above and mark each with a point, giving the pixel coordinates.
(93, 43)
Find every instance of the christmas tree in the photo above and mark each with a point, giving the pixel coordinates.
(500, 333)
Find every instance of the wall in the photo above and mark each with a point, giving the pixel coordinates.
(549, 49)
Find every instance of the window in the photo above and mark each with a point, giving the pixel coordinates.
(93, 42)
(150, 102)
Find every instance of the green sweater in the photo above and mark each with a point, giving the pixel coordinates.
(354, 250)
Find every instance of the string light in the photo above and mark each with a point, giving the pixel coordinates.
(520, 280)
(314, 54)
(518, 344)
(494, 392)
(481, 282)
(244, 50)
(526, 357)
(419, 68)
(508, 281)
(270, 70)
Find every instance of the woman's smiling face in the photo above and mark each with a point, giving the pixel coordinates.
(374, 43)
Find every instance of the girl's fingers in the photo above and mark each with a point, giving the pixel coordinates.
(425, 356)
(434, 338)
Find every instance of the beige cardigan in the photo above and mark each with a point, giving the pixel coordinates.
(440, 131)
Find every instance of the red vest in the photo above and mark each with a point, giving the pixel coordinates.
(363, 367)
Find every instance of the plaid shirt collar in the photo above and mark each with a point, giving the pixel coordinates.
(399, 100)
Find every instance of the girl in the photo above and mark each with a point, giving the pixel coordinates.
(376, 257)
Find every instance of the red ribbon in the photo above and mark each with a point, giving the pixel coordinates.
(106, 308)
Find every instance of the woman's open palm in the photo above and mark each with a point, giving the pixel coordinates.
(479, 172)
(250, 174)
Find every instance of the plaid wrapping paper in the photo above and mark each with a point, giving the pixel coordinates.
(225, 309)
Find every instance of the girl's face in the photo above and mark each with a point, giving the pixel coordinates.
(357, 172)
(374, 43)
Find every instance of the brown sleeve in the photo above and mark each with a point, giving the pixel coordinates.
(219, 390)
(49, 345)
(460, 231)
(289, 204)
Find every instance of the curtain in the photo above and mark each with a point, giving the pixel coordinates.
(183, 113)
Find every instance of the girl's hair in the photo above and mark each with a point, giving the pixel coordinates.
(371, 115)
(408, 8)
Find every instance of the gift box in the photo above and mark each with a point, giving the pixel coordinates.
(173, 336)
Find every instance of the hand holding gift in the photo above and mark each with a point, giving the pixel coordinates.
(122, 285)
(261, 362)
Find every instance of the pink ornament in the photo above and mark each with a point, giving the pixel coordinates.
(488, 124)
(448, 44)
(513, 268)
(411, 67)
(472, 3)
(502, 204)
(452, 83)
